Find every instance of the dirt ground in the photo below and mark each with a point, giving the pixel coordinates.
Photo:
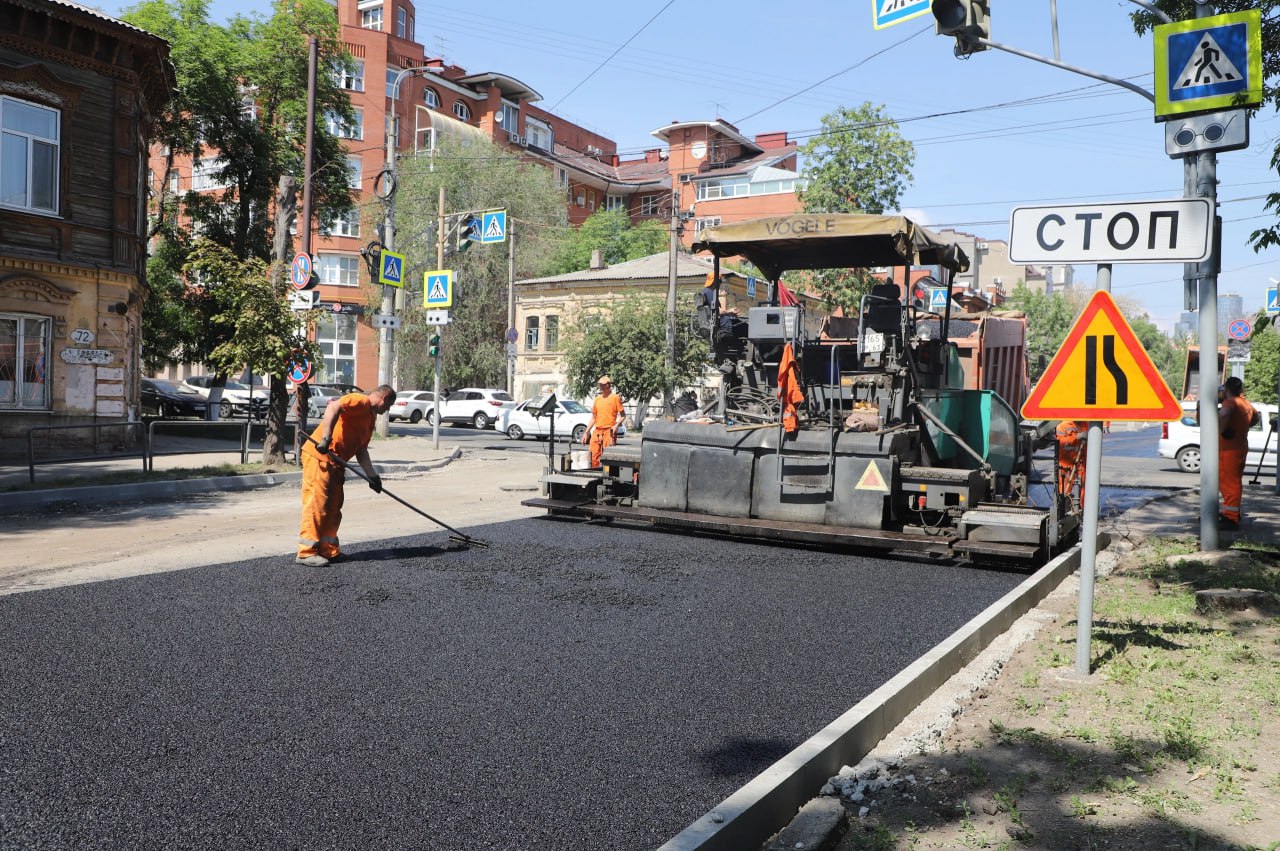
(1171, 742)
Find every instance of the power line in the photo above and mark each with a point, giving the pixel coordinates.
(615, 53)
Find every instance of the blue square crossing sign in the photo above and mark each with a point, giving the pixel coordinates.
(391, 269)
(437, 289)
(1204, 64)
(493, 226)
(886, 13)
(1273, 299)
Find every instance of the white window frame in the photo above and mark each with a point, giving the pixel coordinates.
(461, 110)
(202, 175)
(699, 225)
(371, 18)
(175, 180)
(355, 171)
(532, 330)
(336, 341)
(562, 178)
(551, 332)
(615, 202)
(342, 131)
(345, 224)
(650, 205)
(402, 22)
(14, 139)
(353, 81)
(431, 98)
(392, 74)
(14, 394)
(539, 134)
(338, 270)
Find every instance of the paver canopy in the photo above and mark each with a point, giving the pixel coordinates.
(830, 241)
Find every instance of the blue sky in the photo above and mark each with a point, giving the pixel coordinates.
(756, 64)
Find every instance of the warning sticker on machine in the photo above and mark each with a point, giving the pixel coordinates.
(871, 479)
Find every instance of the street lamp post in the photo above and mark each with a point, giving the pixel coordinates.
(387, 341)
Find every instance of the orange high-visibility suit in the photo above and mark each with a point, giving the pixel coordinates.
(322, 478)
(1071, 435)
(789, 392)
(1235, 415)
(606, 413)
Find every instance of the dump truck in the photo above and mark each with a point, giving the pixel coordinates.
(898, 441)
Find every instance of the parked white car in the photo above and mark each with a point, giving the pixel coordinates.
(572, 418)
(477, 406)
(1180, 440)
(238, 399)
(412, 405)
(319, 400)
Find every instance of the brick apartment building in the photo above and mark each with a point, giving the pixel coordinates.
(721, 174)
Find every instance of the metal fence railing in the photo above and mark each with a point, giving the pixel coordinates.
(145, 441)
(125, 440)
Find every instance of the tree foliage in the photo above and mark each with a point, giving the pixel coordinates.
(1263, 369)
(858, 163)
(476, 176)
(612, 232)
(628, 341)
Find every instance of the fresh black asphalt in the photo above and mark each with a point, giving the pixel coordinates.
(573, 687)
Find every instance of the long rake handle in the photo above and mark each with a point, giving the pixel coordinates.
(457, 536)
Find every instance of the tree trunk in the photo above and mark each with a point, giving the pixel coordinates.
(273, 443)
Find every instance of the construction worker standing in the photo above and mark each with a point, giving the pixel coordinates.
(344, 431)
(606, 416)
(1071, 436)
(1235, 417)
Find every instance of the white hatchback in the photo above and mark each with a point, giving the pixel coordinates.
(1180, 440)
(572, 419)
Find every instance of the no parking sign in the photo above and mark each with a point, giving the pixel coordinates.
(299, 368)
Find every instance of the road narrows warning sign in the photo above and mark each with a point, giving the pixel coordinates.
(1102, 372)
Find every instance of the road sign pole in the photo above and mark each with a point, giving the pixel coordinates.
(435, 384)
(1088, 546)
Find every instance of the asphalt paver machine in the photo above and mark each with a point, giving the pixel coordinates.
(892, 449)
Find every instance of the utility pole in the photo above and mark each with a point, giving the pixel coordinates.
(511, 304)
(303, 392)
(435, 386)
(387, 342)
(668, 392)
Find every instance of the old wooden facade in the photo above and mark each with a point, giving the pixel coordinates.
(78, 93)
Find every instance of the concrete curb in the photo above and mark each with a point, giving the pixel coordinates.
(748, 817)
(20, 502)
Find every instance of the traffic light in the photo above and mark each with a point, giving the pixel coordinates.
(433, 346)
(468, 232)
(967, 20)
(919, 297)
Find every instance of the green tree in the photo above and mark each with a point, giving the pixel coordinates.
(1049, 318)
(618, 240)
(1169, 359)
(858, 163)
(628, 341)
(476, 176)
(1263, 369)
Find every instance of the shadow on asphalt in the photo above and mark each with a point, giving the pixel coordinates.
(736, 755)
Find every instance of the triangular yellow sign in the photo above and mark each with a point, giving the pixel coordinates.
(1102, 372)
(871, 479)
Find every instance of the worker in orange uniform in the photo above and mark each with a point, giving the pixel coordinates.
(1072, 436)
(606, 416)
(344, 431)
(1235, 417)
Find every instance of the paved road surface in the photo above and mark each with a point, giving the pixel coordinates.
(574, 687)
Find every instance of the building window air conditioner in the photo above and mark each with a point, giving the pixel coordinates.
(686, 178)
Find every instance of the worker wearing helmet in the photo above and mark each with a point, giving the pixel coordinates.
(1235, 417)
(344, 431)
(606, 416)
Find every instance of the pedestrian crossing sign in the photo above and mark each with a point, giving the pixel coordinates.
(1206, 64)
(1273, 299)
(493, 226)
(886, 13)
(437, 289)
(391, 269)
(1102, 372)
(937, 298)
